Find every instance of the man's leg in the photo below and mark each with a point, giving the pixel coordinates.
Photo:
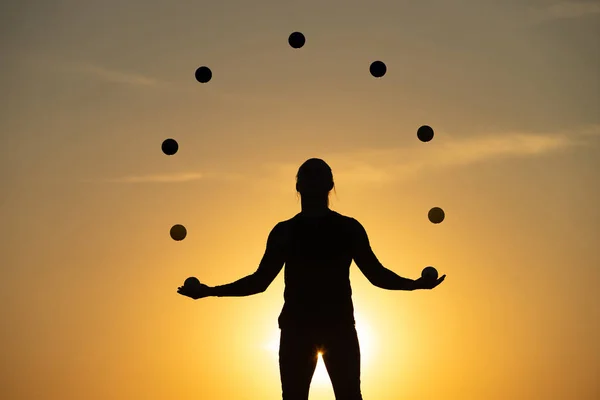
(341, 356)
(297, 363)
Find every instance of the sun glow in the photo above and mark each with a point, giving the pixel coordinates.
(367, 341)
(321, 377)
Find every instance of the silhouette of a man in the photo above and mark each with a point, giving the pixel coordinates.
(317, 247)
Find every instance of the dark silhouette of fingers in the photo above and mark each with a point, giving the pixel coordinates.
(440, 280)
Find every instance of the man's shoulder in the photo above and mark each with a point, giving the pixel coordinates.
(343, 217)
(284, 227)
(347, 221)
(287, 223)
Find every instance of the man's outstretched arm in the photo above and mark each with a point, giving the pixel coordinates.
(370, 266)
(268, 269)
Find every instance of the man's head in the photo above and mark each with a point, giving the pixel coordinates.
(314, 179)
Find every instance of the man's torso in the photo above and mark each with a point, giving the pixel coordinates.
(317, 271)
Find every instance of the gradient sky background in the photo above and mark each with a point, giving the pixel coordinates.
(89, 273)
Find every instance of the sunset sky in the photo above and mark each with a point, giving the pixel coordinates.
(90, 89)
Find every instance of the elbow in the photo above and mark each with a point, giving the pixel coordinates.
(261, 287)
(375, 281)
(380, 285)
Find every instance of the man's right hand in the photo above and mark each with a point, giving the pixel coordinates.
(423, 283)
(196, 291)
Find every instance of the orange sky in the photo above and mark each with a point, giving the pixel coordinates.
(89, 273)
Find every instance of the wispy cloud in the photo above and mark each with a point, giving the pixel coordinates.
(384, 165)
(178, 84)
(157, 178)
(444, 152)
(91, 69)
(109, 75)
(566, 10)
(178, 177)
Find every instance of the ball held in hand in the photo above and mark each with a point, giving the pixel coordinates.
(191, 282)
(429, 273)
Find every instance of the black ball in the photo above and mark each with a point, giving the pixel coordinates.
(170, 147)
(378, 69)
(178, 232)
(203, 74)
(428, 273)
(191, 282)
(296, 40)
(436, 215)
(425, 133)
